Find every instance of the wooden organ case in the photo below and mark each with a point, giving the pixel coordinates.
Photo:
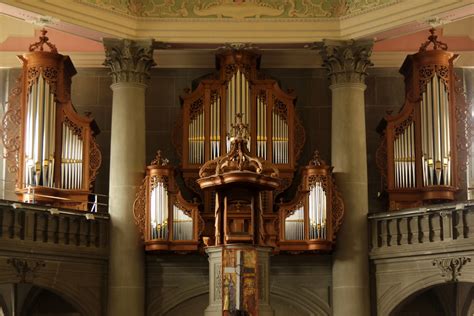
(275, 133)
(165, 219)
(311, 220)
(418, 155)
(50, 147)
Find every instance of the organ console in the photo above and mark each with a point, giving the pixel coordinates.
(50, 147)
(311, 220)
(166, 220)
(418, 154)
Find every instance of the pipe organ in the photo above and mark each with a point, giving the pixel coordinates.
(56, 157)
(166, 220)
(311, 220)
(238, 87)
(418, 154)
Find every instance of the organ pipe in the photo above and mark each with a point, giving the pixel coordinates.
(167, 221)
(420, 139)
(56, 148)
(310, 219)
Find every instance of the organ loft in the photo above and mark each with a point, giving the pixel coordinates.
(194, 173)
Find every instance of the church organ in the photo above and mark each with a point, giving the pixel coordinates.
(166, 220)
(418, 154)
(50, 147)
(311, 220)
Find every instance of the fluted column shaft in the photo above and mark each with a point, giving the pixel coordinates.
(347, 62)
(130, 62)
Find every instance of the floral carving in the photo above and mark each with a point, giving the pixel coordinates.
(11, 130)
(451, 267)
(196, 108)
(280, 108)
(381, 160)
(129, 61)
(75, 129)
(400, 128)
(139, 206)
(337, 210)
(95, 160)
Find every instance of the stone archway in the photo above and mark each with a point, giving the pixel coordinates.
(451, 298)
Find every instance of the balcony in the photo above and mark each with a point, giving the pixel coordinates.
(417, 249)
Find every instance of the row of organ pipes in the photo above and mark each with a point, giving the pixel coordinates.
(159, 216)
(279, 139)
(159, 211)
(261, 127)
(40, 134)
(238, 101)
(404, 158)
(196, 139)
(435, 133)
(215, 126)
(317, 212)
(71, 159)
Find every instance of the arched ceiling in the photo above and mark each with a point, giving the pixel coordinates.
(191, 29)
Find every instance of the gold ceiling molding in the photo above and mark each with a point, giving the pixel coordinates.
(238, 9)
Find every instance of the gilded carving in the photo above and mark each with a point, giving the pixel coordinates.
(239, 9)
(139, 206)
(129, 61)
(451, 267)
(346, 61)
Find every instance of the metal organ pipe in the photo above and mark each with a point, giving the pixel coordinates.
(317, 212)
(294, 225)
(159, 212)
(182, 225)
(436, 145)
(39, 135)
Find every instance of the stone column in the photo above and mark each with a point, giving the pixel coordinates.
(347, 62)
(130, 63)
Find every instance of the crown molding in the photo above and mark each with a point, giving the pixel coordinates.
(291, 58)
(74, 17)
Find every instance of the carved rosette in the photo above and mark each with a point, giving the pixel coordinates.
(129, 61)
(346, 61)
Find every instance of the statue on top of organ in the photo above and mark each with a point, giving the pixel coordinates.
(239, 94)
(423, 147)
(49, 146)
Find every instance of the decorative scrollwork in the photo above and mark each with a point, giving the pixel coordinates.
(318, 178)
(433, 39)
(75, 129)
(451, 267)
(337, 210)
(95, 160)
(139, 206)
(11, 129)
(25, 268)
(196, 108)
(300, 137)
(280, 108)
(465, 127)
(43, 40)
(158, 179)
(400, 128)
(428, 71)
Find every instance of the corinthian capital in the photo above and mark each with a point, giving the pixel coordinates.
(346, 61)
(129, 61)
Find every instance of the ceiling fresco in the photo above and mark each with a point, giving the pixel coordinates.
(239, 9)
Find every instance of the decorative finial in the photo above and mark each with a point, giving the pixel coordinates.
(316, 160)
(43, 39)
(433, 39)
(159, 160)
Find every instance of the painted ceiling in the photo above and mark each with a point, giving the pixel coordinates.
(239, 8)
